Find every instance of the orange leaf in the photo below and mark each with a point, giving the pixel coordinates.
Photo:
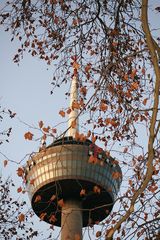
(41, 124)
(74, 22)
(62, 113)
(116, 175)
(46, 129)
(42, 216)
(38, 198)
(19, 189)
(103, 107)
(126, 77)
(133, 73)
(108, 121)
(75, 105)
(96, 189)
(92, 159)
(61, 203)
(21, 217)
(52, 219)
(98, 234)
(76, 65)
(5, 162)
(83, 90)
(69, 111)
(20, 172)
(82, 192)
(87, 67)
(28, 136)
(32, 181)
(94, 138)
(134, 85)
(53, 198)
(145, 101)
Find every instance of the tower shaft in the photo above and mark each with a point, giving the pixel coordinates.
(71, 220)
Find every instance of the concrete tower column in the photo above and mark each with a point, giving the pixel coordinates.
(71, 220)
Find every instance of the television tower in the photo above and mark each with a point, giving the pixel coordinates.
(69, 191)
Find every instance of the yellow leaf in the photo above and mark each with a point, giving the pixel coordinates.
(103, 107)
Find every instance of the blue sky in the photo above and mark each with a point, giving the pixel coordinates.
(25, 89)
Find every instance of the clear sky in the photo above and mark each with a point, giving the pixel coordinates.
(25, 89)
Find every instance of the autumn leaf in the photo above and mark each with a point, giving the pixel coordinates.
(46, 129)
(134, 85)
(38, 198)
(75, 105)
(143, 71)
(82, 192)
(96, 189)
(20, 172)
(94, 138)
(92, 159)
(42, 216)
(69, 111)
(98, 234)
(83, 91)
(87, 67)
(5, 162)
(61, 203)
(103, 107)
(32, 181)
(62, 113)
(76, 65)
(52, 219)
(145, 101)
(125, 150)
(19, 189)
(28, 136)
(21, 217)
(116, 175)
(41, 124)
(133, 73)
(126, 77)
(54, 130)
(53, 198)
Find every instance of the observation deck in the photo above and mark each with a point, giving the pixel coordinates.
(63, 171)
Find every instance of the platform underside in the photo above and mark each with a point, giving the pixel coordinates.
(96, 201)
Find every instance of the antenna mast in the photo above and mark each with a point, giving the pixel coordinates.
(73, 116)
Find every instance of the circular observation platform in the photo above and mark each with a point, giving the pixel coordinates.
(63, 171)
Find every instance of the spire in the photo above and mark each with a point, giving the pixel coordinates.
(73, 122)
